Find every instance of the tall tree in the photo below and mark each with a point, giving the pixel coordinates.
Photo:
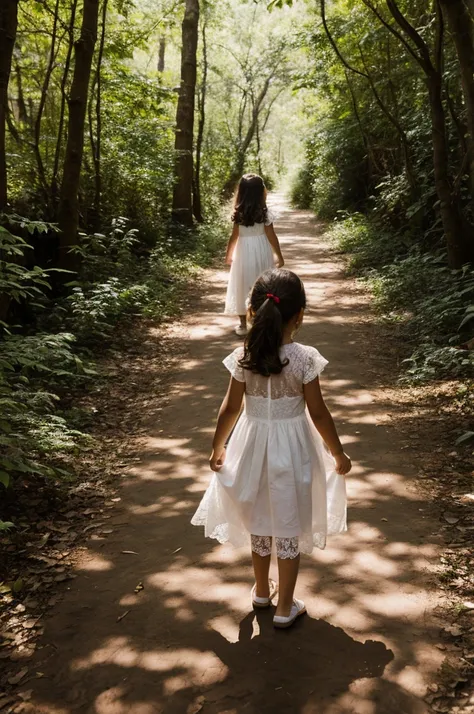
(184, 136)
(201, 97)
(458, 244)
(96, 141)
(160, 66)
(8, 26)
(68, 213)
(62, 112)
(460, 22)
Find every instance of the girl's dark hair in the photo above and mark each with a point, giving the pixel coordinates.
(270, 315)
(249, 202)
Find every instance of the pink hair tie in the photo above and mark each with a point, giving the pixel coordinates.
(276, 299)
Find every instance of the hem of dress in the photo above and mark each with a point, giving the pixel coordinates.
(336, 526)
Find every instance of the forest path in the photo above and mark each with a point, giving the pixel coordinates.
(189, 642)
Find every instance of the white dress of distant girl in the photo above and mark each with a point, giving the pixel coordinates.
(253, 246)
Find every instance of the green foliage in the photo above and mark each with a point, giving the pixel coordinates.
(431, 303)
(119, 281)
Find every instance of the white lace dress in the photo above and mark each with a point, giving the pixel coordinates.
(253, 255)
(278, 478)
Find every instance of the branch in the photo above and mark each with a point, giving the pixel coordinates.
(439, 38)
(334, 45)
(391, 29)
(424, 58)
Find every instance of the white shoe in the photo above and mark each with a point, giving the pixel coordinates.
(298, 608)
(241, 331)
(261, 602)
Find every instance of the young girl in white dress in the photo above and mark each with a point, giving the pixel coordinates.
(253, 246)
(280, 477)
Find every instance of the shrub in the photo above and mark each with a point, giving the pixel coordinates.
(431, 303)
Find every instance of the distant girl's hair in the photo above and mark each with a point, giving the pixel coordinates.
(249, 202)
(277, 296)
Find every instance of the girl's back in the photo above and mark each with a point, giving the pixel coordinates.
(279, 396)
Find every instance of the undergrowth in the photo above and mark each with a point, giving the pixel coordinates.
(43, 364)
(431, 304)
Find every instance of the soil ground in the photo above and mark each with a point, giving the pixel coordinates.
(158, 620)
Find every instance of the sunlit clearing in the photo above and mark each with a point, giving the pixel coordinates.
(109, 702)
(205, 667)
(95, 563)
(226, 627)
(366, 533)
(407, 607)
(370, 562)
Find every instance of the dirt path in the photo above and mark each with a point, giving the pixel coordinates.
(188, 642)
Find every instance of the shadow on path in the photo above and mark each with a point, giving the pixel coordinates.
(185, 644)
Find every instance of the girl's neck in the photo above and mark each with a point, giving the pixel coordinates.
(288, 335)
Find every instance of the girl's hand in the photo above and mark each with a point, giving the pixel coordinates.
(343, 464)
(217, 458)
(279, 262)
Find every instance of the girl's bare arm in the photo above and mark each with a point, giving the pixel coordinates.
(275, 244)
(228, 415)
(324, 423)
(231, 244)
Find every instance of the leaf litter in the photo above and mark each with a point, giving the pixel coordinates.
(54, 520)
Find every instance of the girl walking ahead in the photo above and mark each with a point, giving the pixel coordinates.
(253, 246)
(277, 479)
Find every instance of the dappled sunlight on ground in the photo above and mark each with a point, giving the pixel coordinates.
(158, 620)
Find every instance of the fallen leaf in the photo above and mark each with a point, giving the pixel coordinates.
(18, 677)
(4, 701)
(385, 520)
(92, 525)
(130, 552)
(139, 587)
(449, 518)
(453, 630)
(120, 617)
(196, 706)
(26, 695)
(176, 551)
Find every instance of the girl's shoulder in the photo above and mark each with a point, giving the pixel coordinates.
(232, 363)
(306, 360)
(271, 217)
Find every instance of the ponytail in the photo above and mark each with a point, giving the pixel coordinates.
(277, 296)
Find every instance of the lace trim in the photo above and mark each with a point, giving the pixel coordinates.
(286, 548)
(335, 524)
(231, 362)
(305, 364)
(261, 545)
(314, 364)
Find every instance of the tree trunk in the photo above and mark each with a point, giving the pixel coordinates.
(239, 163)
(161, 55)
(42, 103)
(62, 113)
(8, 25)
(453, 224)
(197, 203)
(96, 143)
(182, 195)
(68, 214)
(458, 244)
(462, 28)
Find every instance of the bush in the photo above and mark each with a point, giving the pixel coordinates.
(431, 303)
(119, 280)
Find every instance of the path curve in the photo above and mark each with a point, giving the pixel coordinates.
(188, 642)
